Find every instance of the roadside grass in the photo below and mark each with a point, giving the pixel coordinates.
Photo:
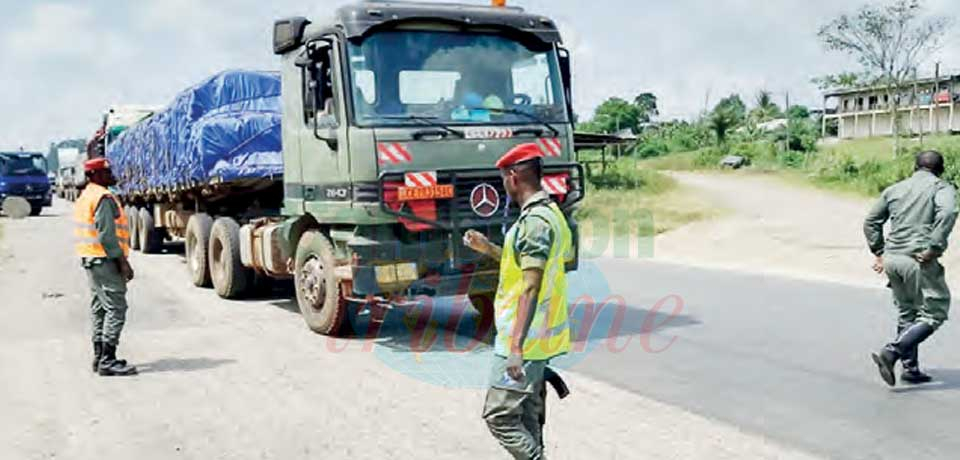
(861, 167)
(652, 204)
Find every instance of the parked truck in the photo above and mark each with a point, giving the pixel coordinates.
(24, 174)
(70, 173)
(393, 115)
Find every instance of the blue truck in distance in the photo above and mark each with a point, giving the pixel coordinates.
(24, 174)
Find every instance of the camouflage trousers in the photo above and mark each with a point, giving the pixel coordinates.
(920, 291)
(108, 303)
(514, 411)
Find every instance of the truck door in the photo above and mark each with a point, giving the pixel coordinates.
(324, 152)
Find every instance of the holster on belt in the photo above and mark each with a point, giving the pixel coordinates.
(555, 381)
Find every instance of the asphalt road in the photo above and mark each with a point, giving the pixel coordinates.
(787, 359)
(769, 360)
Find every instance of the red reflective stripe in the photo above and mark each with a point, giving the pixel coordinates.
(551, 147)
(555, 184)
(403, 152)
(386, 156)
(420, 179)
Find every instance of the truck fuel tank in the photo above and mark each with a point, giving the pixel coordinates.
(261, 250)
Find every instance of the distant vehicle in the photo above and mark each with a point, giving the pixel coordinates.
(70, 175)
(24, 174)
(116, 120)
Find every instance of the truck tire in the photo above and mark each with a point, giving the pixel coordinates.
(150, 241)
(483, 303)
(35, 209)
(318, 291)
(230, 278)
(197, 244)
(133, 222)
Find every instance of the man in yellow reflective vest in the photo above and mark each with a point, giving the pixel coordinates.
(531, 305)
(102, 243)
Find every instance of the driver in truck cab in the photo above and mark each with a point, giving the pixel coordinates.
(530, 307)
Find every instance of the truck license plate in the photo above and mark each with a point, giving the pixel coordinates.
(434, 192)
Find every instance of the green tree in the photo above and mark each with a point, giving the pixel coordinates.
(889, 40)
(729, 113)
(798, 112)
(616, 114)
(843, 80)
(765, 109)
(647, 103)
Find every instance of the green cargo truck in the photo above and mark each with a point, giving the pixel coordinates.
(393, 116)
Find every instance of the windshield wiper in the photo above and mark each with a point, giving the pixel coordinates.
(529, 115)
(426, 121)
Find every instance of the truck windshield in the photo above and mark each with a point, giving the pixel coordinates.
(453, 78)
(20, 165)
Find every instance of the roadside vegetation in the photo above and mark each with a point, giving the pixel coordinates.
(627, 200)
(889, 39)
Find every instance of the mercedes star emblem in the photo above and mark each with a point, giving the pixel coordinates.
(484, 200)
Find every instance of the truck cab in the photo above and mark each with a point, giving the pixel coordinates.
(24, 174)
(394, 115)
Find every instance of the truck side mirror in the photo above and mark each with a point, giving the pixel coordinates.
(566, 75)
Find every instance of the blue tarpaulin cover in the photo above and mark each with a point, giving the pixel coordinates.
(225, 128)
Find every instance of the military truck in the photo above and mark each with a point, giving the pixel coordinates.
(393, 117)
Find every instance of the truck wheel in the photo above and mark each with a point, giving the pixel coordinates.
(230, 278)
(35, 209)
(133, 222)
(318, 290)
(483, 303)
(150, 241)
(197, 247)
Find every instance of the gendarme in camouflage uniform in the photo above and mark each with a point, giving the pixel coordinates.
(922, 211)
(102, 244)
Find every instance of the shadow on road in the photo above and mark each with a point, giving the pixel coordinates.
(181, 365)
(453, 329)
(943, 380)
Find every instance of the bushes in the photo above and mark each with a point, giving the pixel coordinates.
(624, 175)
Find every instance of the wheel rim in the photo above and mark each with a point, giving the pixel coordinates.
(217, 254)
(312, 285)
(193, 255)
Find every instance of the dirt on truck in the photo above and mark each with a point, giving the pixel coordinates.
(393, 115)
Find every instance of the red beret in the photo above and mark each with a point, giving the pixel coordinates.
(95, 164)
(519, 154)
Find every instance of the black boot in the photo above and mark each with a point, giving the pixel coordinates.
(110, 365)
(97, 354)
(911, 368)
(906, 344)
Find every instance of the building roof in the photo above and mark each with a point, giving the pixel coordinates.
(873, 88)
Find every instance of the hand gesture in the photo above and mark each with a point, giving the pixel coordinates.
(476, 241)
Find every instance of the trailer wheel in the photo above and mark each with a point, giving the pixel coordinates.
(133, 222)
(483, 302)
(318, 291)
(230, 278)
(150, 240)
(197, 248)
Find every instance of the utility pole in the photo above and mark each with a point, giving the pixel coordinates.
(936, 104)
(916, 105)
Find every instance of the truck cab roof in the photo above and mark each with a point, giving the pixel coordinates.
(359, 19)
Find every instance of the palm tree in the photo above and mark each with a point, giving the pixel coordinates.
(766, 109)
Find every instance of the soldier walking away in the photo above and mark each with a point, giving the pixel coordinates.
(531, 305)
(922, 211)
(103, 238)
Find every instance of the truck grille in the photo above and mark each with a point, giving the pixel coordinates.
(460, 208)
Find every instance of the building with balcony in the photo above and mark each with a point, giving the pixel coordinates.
(927, 105)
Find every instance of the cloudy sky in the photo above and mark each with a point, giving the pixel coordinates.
(64, 61)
